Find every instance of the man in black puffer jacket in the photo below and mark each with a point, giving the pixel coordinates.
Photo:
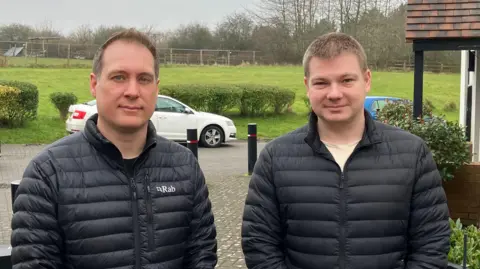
(344, 191)
(115, 195)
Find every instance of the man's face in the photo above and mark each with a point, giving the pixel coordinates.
(337, 87)
(127, 89)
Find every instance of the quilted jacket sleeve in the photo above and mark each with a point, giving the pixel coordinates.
(429, 228)
(261, 229)
(202, 248)
(36, 240)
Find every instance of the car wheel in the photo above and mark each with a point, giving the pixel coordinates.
(212, 136)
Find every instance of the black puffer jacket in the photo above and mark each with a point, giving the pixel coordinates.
(75, 208)
(387, 210)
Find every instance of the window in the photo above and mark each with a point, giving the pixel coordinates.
(167, 105)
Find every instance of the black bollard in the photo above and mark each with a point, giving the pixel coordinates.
(13, 189)
(252, 146)
(192, 141)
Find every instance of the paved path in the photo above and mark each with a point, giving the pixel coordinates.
(225, 170)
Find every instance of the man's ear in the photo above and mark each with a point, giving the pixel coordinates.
(368, 80)
(93, 84)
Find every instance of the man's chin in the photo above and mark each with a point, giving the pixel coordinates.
(334, 118)
(131, 126)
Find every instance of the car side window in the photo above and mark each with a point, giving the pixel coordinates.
(374, 106)
(167, 105)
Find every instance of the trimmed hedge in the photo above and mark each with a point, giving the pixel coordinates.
(28, 98)
(9, 98)
(62, 101)
(248, 99)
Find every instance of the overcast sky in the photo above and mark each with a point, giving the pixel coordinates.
(66, 15)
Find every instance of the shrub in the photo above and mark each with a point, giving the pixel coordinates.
(250, 99)
(456, 253)
(10, 100)
(445, 139)
(27, 109)
(450, 106)
(429, 103)
(400, 113)
(282, 100)
(62, 101)
(255, 99)
(207, 97)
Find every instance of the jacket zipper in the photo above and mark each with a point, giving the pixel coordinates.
(342, 220)
(342, 239)
(136, 229)
(148, 200)
(343, 209)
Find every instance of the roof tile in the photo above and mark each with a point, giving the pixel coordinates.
(430, 19)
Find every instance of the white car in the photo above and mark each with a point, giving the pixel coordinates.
(171, 118)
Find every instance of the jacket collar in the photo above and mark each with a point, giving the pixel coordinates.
(370, 136)
(102, 144)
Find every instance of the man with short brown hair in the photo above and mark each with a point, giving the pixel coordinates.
(344, 191)
(115, 195)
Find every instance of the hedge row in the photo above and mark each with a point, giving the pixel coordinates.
(19, 102)
(248, 99)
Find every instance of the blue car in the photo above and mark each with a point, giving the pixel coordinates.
(373, 104)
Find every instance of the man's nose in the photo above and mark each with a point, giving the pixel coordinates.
(133, 88)
(334, 91)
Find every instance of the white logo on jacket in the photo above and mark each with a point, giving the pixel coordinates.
(165, 189)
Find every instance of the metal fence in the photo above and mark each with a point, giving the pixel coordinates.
(44, 54)
(53, 54)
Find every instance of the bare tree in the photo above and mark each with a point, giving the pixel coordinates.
(82, 35)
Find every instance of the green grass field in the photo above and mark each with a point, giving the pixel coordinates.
(438, 88)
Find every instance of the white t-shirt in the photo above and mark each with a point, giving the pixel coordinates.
(341, 152)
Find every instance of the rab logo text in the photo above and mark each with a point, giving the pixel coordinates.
(165, 189)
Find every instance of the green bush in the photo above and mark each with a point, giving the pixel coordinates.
(450, 106)
(27, 109)
(429, 103)
(255, 99)
(283, 100)
(205, 97)
(401, 113)
(455, 255)
(249, 99)
(10, 100)
(62, 101)
(445, 139)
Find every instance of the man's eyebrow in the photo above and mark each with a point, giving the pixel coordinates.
(146, 74)
(318, 78)
(116, 71)
(350, 75)
(120, 71)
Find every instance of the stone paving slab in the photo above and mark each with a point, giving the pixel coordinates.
(225, 170)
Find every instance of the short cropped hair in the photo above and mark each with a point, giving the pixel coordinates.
(129, 35)
(331, 45)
